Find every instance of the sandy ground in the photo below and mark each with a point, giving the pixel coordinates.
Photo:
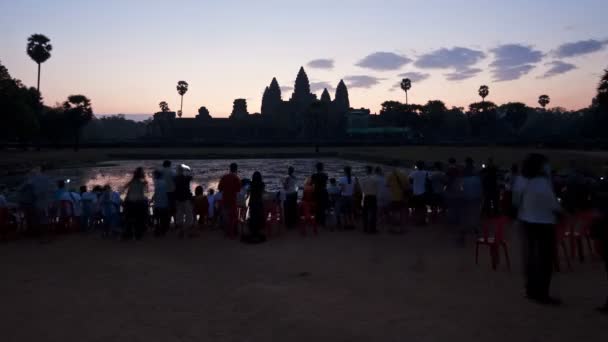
(340, 286)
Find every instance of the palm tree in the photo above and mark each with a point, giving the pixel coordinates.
(544, 100)
(484, 91)
(164, 106)
(39, 49)
(182, 88)
(406, 85)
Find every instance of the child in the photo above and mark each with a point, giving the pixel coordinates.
(201, 205)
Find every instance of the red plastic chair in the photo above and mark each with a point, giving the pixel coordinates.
(496, 241)
(307, 218)
(579, 229)
(562, 227)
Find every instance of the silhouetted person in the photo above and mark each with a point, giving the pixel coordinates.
(600, 227)
(168, 176)
(230, 186)
(420, 180)
(453, 192)
(136, 205)
(489, 179)
(319, 182)
(256, 210)
(538, 213)
(161, 204)
(184, 214)
(290, 206)
(370, 187)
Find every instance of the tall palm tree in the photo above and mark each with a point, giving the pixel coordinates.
(182, 88)
(406, 84)
(544, 100)
(39, 49)
(484, 91)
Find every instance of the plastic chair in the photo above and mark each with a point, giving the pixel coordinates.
(307, 218)
(562, 227)
(496, 241)
(579, 229)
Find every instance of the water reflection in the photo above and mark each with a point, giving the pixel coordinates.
(207, 172)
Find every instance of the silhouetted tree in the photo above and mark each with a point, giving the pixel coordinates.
(406, 85)
(482, 118)
(515, 114)
(544, 100)
(484, 91)
(78, 113)
(182, 88)
(39, 49)
(164, 107)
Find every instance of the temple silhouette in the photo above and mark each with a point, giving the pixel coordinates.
(303, 118)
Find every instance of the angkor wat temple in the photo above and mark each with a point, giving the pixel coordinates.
(302, 118)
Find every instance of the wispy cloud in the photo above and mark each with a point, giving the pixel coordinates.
(318, 86)
(460, 59)
(286, 89)
(455, 58)
(321, 63)
(558, 68)
(362, 81)
(512, 61)
(579, 48)
(383, 61)
(415, 76)
(463, 74)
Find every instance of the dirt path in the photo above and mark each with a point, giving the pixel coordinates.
(341, 286)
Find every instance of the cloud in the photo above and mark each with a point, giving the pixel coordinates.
(415, 76)
(362, 81)
(512, 61)
(456, 58)
(582, 47)
(383, 61)
(318, 86)
(558, 68)
(286, 89)
(321, 63)
(463, 74)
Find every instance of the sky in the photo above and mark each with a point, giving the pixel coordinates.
(128, 55)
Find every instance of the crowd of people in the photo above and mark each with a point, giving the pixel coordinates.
(536, 197)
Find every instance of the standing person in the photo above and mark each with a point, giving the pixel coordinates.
(399, 189)
(538, 213)
(511, 178)
(256, 210)
(184, 214)
(211, 200)
(109, 210)
(599, 229)
(319, 182)
(471, 199)
(160, 200)
(169, 177)
(136, 205)
(420, 181)
(489, 178)
(346, 201)
(88, 203)
(230, 186)
(383, 196)
(438, 183)
(453, 192)
(290, 205)
(369, 187)
(37, 194)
